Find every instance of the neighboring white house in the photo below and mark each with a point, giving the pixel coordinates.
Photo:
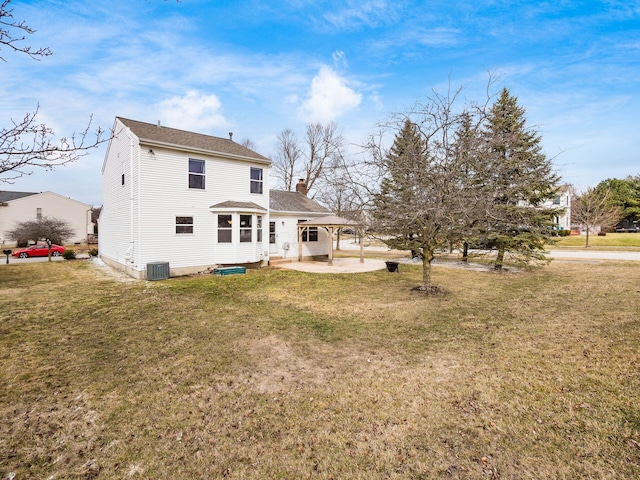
(562, 200)
(17, 207)
(190, 200)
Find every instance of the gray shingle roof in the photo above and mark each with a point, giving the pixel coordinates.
(281, 201)
(182, 138)
(238, 206)
(8, 196)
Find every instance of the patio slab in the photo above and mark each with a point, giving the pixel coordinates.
(340, 265)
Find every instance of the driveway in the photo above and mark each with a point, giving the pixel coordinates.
(13, 260)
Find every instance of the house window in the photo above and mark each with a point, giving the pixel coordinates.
(196, 174)
(38, 213)
(184, 224)
(256, 180)
(224, 228)
(245, 228)
(309, 234)
(259, 228)
(122, 177)
(272, 232)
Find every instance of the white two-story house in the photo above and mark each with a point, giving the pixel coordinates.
(193, 201)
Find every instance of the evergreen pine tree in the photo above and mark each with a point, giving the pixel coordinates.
(519, 179)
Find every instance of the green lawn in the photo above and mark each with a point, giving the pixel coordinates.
(282, 374)
(609, 240)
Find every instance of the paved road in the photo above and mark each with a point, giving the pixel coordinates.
(586, 254)
(559, 254)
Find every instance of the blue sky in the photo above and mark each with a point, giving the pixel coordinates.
(256, 67)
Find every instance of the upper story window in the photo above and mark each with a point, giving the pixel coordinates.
(38, 213)
(184, 224)
(256, 180)
(196, 174)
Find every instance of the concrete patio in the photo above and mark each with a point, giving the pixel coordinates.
(340, 265)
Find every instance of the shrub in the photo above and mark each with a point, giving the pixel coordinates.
(93, 252)
(564, 233)
(69, 255)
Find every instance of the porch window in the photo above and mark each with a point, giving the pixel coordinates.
(259, 228)
(245, 228)
(256, 180)
(224, 228)
(184, 224)
(196, 174)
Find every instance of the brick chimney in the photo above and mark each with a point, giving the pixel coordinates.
(301, 187)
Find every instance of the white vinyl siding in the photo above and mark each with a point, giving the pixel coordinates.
(161, 193)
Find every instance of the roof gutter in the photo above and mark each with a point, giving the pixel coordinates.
(183, 148)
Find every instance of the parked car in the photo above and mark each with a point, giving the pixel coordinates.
(39, 250)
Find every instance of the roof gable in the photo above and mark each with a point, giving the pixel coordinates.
(172, 137)
(281, 201)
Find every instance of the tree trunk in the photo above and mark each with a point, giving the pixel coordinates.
(465, 251)
(338, 239)
(587, 237)
(427, 258)
(426, 271)
(499, 259)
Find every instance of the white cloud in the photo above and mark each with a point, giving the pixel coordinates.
(329, 97)
(357, 14)
(194, 111)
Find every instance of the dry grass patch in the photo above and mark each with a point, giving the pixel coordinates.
(281, 374)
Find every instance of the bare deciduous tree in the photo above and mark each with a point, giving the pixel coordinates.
(424, 199)
(324, 145)
(26, 143)
(287, 158)
(48, 229)
(592, 208)
(13, 33)
(313, 160)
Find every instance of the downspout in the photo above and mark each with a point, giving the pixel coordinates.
(128, 256)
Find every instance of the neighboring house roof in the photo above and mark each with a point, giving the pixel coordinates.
(232, 205)
(281, 201)
(9, 196)
(149, 133)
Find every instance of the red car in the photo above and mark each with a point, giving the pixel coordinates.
(39, 250)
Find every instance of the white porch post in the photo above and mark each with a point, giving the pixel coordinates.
(300, 230)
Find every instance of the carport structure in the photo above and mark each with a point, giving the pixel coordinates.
(330, 223)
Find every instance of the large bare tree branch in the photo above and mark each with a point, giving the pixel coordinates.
(13, 33)
(27, 144)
